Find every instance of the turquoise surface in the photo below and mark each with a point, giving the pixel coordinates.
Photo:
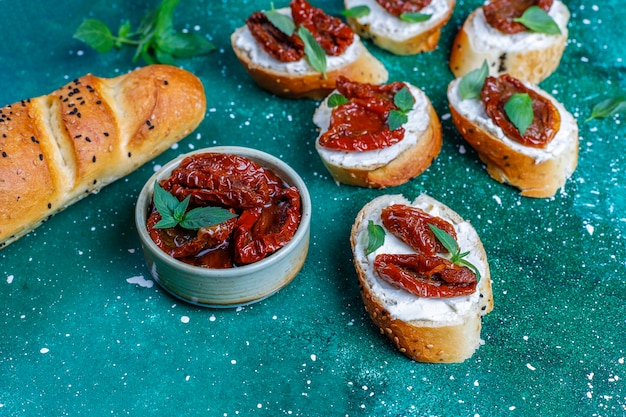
(78, 336)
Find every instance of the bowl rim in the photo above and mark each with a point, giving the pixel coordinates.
(258, 156)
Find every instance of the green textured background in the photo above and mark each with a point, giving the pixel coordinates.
(77, 339)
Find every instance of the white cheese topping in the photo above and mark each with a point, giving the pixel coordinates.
(383, 23)
(474, 110)
(400, 303)
(486, 38)
(246, 42)
(418, 121)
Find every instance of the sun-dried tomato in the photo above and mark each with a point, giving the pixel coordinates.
(410, 224)
(361, 124)
(546, 121)
(269, 211)
(397, 7)
(330, 32)
(500, 14)
(264, 230)
(276, 43)
(426, 276)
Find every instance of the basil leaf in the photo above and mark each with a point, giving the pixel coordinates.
(122, 33)
(519, 110)
(537, 20)
(356, 11)
(404, 100)
(337, 99)
(445, 238)
(205, 217)
(313, 52)
(164, 21)
(471, 84)
(414, 17)
(184, 45)
(166, 222)
(181, 208)
(96, 34)
(608, 107)
(281, 21)
(395, 119)
(375, 237)
(164, 202)
(163, 57)
(465, 262)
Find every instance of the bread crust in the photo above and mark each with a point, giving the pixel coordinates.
(422, 42)
(58, 148)
(407, 165)
(506, 165)
(533, 64)
(312, 84)
(422, 340)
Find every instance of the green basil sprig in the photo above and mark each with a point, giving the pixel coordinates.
(608, 107)
(337, 99)
(404, 101)
(453, 247)
(356, 11)
(519, 110)
(155, 39)
(174, 212)
(537, 20)
(472, 83)
(414, 17)
(375, 237)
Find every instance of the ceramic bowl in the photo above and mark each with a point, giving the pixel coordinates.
(233, 286)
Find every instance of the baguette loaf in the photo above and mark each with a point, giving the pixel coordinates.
(389, 166)
(397, 36)
(298, 79)
(58, 148)
(527, 56)
(537, 172)
(426, 329)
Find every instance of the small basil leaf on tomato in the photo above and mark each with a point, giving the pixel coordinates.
(281, 21)
(395, 119)
(315, 55)
(537, 20)
(337, 99)
(519, 110)
(404, 100)
(205, 217)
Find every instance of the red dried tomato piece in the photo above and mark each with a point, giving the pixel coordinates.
(262, 231)
(361, 124)
(410, 224)
(500, 14)
(273, 41)
(546, 121)
(330, 32)
(231, 181)
(426, 276)
(397, 7)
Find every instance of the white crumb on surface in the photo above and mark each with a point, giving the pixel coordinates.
(141, 281)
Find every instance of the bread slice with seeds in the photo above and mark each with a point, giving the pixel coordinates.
(426, 329)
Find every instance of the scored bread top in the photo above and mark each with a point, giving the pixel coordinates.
(402, 304)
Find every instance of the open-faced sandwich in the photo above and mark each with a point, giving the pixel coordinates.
(400, 27)
(524, 135)
(424, 276)
(524, 38)
(300, 51)
(376, 135)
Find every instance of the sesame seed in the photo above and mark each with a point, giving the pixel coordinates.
(106, 133)
(49, 205)
(94, 158)
(166, 82)
(87, 139)
(41, 157)
(4, 154)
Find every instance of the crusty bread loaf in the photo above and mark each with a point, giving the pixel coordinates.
(397, 36)
(391, 166)
(58, 148)
(537, 172)
(298, 79)
(424, 329)
(527, 56)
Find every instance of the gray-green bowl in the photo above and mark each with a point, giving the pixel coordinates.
(233, 286)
